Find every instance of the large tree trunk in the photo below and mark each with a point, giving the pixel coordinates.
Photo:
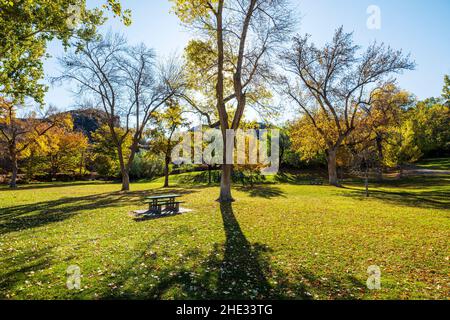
(125, 181)
(13, 156)
(124, 170)
(227, 169)
(332, 167)
(225, 183)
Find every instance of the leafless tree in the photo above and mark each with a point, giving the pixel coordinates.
(127, 83)
(337, 82)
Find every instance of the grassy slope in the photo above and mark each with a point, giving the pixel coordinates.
(276, 241)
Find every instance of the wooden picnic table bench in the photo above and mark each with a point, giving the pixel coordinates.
(156, 203)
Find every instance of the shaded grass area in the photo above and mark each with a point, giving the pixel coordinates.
(283, 240)
(431, 192)
(435, 164)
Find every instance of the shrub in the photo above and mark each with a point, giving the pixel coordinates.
(147, 166)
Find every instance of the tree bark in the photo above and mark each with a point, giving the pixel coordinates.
(225, 184)
(332, 168)
(125, 181)
(124, 171)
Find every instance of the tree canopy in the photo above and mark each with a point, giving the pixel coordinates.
(26, 26)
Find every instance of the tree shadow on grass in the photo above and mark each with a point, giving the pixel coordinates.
(300, 179)
(262, 191)
(246, 270)
(20, 266)
(422, 199)
(416, 182)
(243, 263)
(333, 287)
(49, 185)
(236, 269)
(33, 215)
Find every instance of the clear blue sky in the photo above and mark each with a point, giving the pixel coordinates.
(419, 27)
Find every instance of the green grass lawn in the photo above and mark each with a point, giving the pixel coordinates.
(286, 241)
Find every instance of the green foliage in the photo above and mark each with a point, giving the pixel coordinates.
(305, 139)
(147, 166)
(248, 176)
(116, 8)
(162, 137)
(189, 11)
(106, 166)
(105, 159)
(401, 147)
(26, 26)
(432, 127)
(290, 157)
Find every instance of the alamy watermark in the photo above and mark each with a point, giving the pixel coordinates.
(249, 147)
(374, 279)
(374, 19)
(73, 281)
(74, 16)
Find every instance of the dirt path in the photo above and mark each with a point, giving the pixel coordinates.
(413, 170)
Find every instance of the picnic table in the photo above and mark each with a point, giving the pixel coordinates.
(168, 201)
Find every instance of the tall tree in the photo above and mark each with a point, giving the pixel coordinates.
(337, 83)
(26, 26)
(241, 37)
(127, 84)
